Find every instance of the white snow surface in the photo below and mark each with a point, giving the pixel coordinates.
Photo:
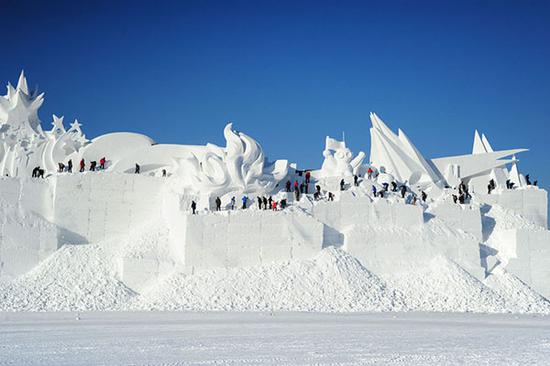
(226, 338)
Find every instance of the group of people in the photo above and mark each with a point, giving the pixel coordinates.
(82, 166)
(264, 203)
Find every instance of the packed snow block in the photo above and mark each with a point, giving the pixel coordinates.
(306, 235)
(463, 249)
(247, 238)
(273, 229)
(275, 254)
(36, 196)
(243, 256)
(529, 258)
(531, 202)
(407, 216)
(382, 250)
(9, 190)
(25, 240)
(96, 205)
(464, 217)
(329, 213)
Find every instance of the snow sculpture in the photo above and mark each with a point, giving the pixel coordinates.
(396, 155)
(339, 160)
(23, 143)
(240, 166)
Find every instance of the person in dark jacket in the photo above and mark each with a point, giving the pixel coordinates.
(424, 196)
(194, 206)
(288, 185)
(260, 201)
(245, 201)
(93, 164)
(138, 169)
(264, 200)
(70, 166)
(403, 191)
(356, 180)
(218, 204)
(342, 185)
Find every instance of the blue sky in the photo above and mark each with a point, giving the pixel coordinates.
(290, 73)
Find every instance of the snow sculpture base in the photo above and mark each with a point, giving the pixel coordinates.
(531, 202)
(247, 238)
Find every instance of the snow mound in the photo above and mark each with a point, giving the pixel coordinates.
(518, 297)
(443, 286)
(74, 278)
(333, 281)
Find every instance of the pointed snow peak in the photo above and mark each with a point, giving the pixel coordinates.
(478, 147)
(486, 143)
(11, 91)
(22, 83)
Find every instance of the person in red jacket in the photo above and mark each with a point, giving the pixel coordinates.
(296, 186)
(369, 173)
(82, 165)
(102, 162)
(308, 177)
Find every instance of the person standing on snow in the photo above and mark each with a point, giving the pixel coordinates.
(260, 202)
(70, 166)
(308, 177)
(218, 204)
(233, 203)
(374, 191)
(424, 196)
(403, 191)
(369, 173)
(194, 206)
(288, 185)
(342, 184)
(93, 164)
(264, 200)
(82, 165)
(356, 180)
(102, 162)
(138, 169)
(296, 186)
(245, 200)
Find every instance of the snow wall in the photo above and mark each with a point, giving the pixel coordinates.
(385, 235)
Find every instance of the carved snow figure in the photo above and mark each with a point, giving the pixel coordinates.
(241, 166)
(339, 160)
(23, 142)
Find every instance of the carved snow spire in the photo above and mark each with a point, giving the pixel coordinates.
(19, 110)
(22, 83)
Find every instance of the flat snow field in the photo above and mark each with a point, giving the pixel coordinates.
(177, 338)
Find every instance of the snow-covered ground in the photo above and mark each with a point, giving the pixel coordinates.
(175, 338)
